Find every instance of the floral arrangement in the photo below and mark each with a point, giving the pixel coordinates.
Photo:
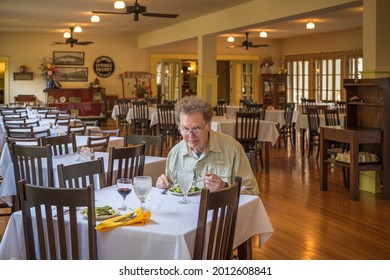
(48, 70)
(142, 90)
(267, 62)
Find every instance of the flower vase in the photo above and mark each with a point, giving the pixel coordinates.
(50, 84)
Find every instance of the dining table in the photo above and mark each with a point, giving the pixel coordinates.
(168, 235)
(268, 133)
(154, 167)
(302, 124)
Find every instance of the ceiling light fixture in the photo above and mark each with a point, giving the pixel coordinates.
(119, 5)
(95, 18)
(78, 29)
(67, 35)
(263, 34)
(310, 25)
(230, 39)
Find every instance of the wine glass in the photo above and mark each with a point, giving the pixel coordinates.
(142, 187)
(185, 178)
(124, 187)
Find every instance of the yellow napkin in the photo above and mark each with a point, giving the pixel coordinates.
(110, 224)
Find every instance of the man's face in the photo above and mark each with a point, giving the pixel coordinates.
(195, 131)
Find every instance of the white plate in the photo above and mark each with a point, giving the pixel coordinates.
(101, 218)
(181, 194)
(62, 99)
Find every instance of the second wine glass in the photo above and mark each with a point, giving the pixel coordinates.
(185, 178)
(142, 187)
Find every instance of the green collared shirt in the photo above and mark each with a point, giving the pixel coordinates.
(224, 156)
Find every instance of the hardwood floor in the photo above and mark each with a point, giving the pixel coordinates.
(310, 224)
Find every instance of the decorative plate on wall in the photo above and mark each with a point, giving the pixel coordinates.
(62, 99)
(74, 99)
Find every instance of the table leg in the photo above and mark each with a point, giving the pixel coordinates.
(353, 172)
(302, 131)
(244, 250)
(323, 164)
(266, 156)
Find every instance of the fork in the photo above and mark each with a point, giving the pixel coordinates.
(126, 218)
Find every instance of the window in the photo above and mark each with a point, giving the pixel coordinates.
(320, 76)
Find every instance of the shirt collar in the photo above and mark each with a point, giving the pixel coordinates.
(213, 146)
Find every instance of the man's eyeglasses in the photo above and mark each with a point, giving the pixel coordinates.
(197, 130)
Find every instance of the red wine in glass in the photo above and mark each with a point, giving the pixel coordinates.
(124, 187)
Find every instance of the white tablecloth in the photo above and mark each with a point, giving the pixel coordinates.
(303, 123)
(154, 167)
(129, 117)
(170, 234)
(268, 131)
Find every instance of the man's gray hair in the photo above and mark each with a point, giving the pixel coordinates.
(193, 104)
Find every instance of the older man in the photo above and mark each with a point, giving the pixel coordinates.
(216, 158)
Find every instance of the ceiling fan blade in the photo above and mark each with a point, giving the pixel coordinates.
(256, 46)
(58, 43)
(112, 13)
(83, 43)
(160, 15)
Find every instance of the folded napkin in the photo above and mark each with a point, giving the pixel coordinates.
(112, 223)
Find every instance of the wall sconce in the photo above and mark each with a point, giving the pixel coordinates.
(78, 29)
(119, 5)
(263, 34)
(230, 39)
(67, 35)
(95, 18)
(310, 25)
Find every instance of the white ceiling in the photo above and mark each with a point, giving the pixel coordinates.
(48, 16)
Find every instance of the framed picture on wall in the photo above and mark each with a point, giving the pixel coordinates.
(68, 58)
(72, 74)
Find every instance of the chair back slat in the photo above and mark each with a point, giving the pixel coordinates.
(61, 144)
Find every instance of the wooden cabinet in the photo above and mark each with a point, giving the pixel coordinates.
(83, 102)
(372, 112)
(274, 90)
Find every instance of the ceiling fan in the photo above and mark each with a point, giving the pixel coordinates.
(72, 41)
(137, 9)
(248, 44)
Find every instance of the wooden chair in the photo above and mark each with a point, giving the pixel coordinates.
(61, 144)
(307, 102)
(62, 120)
(220, 109)
(103, 132)
(140, 121)
(24, 141)
(287, 130)
(28, 162)
(45, 212)
(124, 105)
(332, 116)
(78, 129)
(247, 131)
(38, 133)
(98, 143)
(129, 160)
(314, 125)
(167, 124)
(153, 143)
(341, 106)
(254, 107)
(18, 132)
(217, 242)
(28, 123)
(82, 174)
